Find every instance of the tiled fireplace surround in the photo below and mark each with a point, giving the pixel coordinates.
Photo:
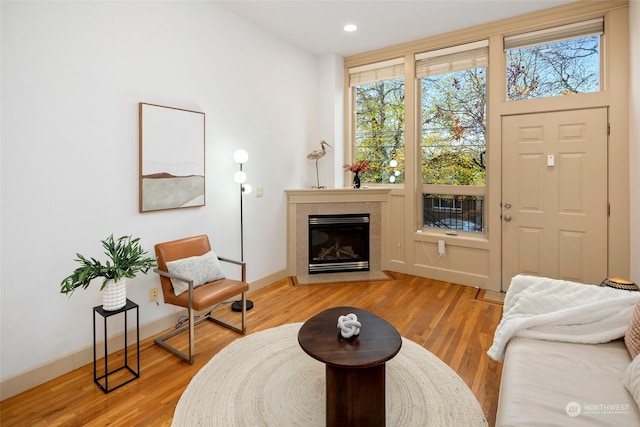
(302, 203)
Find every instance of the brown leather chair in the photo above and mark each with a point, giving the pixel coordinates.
(200, 298)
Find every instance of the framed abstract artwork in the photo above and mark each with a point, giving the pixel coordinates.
(171, 157)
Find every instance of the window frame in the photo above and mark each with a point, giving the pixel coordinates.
(450, 189)
(369, 73)
(496, 104)
(556, 34)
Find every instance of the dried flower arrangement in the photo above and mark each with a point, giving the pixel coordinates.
(362, 166)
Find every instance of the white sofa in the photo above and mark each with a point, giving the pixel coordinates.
(550, 383)
(566, 362)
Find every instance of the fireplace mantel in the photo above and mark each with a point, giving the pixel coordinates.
(302, 203)
(338, 195)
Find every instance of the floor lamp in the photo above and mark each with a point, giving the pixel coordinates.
(240, 156)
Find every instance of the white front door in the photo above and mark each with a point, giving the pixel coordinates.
(554, 195)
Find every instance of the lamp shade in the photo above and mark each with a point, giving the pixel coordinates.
(240, 156)
(240, 177)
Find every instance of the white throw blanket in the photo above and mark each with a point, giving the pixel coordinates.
(558, 310)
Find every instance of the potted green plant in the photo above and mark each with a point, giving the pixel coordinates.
(126, 258)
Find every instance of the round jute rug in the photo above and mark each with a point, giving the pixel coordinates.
(266, 379)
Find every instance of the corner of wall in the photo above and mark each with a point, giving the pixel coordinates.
(634, 137)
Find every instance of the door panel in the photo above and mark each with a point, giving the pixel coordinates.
(554, 195)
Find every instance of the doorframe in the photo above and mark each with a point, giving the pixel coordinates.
(608, 173)
(618, 185)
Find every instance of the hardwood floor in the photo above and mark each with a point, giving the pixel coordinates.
(447, 319)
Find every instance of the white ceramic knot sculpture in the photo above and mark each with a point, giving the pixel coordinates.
(349, 325)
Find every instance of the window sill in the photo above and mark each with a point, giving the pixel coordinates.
(466, 239)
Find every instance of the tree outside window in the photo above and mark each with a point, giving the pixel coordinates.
(453, 136)
(379, 129)
(560, 68)
(454, 128)
(555, 61)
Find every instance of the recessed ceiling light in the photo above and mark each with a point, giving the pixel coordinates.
(349, 28)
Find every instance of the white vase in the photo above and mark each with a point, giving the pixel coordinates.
(114, 295)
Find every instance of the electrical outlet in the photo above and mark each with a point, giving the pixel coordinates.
(153, 294)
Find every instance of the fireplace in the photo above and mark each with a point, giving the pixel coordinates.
(338, 243)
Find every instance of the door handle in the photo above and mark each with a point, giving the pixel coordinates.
(507, 217)
(507, 205)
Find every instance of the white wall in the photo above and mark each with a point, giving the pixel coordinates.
(72, 76)
(331, 82)
(634, 137)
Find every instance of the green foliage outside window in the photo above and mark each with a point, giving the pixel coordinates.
(453, 111)
(453, 121)
(454, 128)
(379, 135)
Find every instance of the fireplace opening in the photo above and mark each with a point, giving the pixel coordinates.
(338, 243)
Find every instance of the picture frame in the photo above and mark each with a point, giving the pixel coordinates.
(172, 158)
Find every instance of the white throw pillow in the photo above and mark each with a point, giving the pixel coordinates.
(201, 269)
(631, 379)
(632, 334)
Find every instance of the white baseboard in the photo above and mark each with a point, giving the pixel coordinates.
(254, 285)
(47, 371)
(33, 377)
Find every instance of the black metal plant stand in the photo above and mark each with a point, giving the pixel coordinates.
(103, 381)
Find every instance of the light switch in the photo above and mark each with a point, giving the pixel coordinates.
(259, 191)
(551, 160)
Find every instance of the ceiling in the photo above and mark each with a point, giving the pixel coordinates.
(316, 25)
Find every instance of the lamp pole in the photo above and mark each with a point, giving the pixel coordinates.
(241, 220)
(241, 156)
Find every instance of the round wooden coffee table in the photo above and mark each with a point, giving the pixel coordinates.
(355, 367)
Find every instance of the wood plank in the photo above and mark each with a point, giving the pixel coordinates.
(445, 318)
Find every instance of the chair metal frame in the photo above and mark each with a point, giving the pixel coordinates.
(192, 323)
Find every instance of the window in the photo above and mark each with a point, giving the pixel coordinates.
(379, 119)
(446, 204)
(453, 127)
(554, 62)
(454, 212)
